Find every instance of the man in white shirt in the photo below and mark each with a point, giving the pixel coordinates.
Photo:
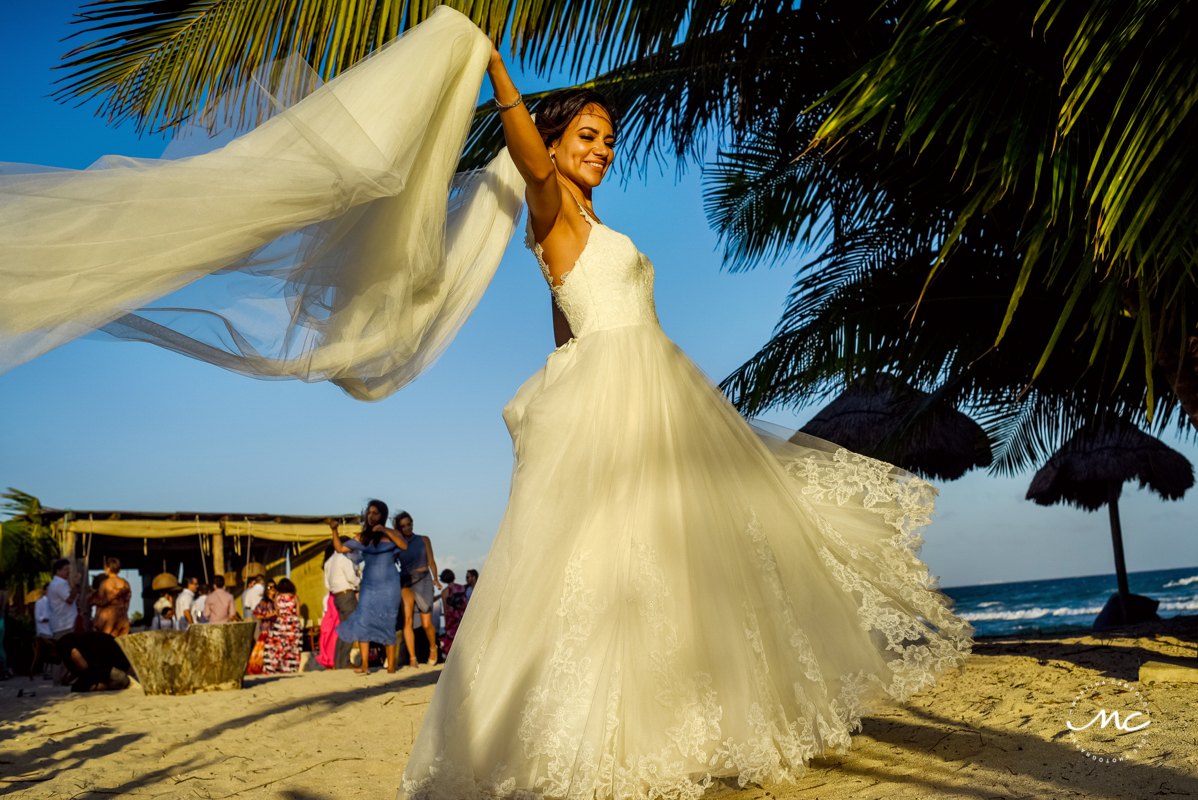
(198, 605)
(252, 596)
(62, 600)
(62, 607)
(41, 618)
(183, 616)
(341, 580)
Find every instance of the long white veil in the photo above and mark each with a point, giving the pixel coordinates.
(332, 242)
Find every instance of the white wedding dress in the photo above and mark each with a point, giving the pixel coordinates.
(674, 595)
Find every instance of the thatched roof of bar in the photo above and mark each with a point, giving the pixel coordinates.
(1081, 472)
(874, 418)
(55, 514)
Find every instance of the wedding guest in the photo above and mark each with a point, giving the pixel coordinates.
(255, 588)
(111, 600)
(43, 649)
(62, 600)
(63, 613)
(418, 571)
(200, 603)
(220, 607)
(164, 618)
(379, 592)
(95, 661)
(453, 601)
(184, 618)
(284, 644)
(341, 580)
(328, 634)
(265, 614)
(471, 579)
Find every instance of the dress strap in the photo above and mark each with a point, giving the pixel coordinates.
(585, 215)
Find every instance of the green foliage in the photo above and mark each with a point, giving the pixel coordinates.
(1078, 118)
(1000, 194)
(27, 547)
(160, 64)
(1007, 232)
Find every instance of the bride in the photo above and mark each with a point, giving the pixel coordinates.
(674, 595)
(692, 598)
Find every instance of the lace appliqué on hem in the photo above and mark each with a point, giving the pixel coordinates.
(938, 643)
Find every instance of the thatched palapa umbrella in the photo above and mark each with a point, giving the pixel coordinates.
(886, 418)
(1090, 470)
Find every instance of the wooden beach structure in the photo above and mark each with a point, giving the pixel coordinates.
(202, 544)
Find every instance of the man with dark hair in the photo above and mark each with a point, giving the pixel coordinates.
(62, 606)
(183, 616)
(255, 588)
(341, 580)
(95, 660)
(220, 606)
(471, 579)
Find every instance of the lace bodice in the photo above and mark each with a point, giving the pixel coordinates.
(610, 285)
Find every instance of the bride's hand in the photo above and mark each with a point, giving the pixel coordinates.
(496, 59)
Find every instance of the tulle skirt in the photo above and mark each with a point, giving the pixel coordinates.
(675, 596)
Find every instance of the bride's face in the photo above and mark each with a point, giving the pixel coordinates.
(584, 153)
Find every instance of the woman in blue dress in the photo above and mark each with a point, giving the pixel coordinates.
(379, 594)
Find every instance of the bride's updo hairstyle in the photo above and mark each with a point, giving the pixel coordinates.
(558, 110)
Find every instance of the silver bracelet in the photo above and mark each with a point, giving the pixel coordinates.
(502, 107)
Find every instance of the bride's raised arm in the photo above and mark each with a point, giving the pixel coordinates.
(527, 150)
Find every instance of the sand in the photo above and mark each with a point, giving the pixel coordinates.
(994, 731)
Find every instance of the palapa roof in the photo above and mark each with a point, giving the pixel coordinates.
(1083, 470)
(870, 418)
(175, 524)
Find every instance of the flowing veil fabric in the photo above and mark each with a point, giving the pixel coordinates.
(332, 242)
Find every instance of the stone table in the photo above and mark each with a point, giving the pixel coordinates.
(204, 658)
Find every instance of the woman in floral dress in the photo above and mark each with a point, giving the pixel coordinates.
(453, 605)
(283, 644)
(265, 614)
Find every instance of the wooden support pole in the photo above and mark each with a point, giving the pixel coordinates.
(218, 553)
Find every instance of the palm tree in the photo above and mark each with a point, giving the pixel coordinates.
(1027, 167)
(27, 547)
(1051, 226)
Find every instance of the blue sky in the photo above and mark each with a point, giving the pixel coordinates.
(114, 425)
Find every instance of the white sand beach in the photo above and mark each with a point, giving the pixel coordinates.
(994, 731)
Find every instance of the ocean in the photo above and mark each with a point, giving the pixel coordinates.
(1063, 604)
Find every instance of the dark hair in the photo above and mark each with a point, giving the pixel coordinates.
(328, 553)
(402, 515)
(558, 109)
(447, 576)
(286, 587)
(188, 579)
(59, 564)
(113, 564)
(473, 572)
(218, 581)
(370, 536)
